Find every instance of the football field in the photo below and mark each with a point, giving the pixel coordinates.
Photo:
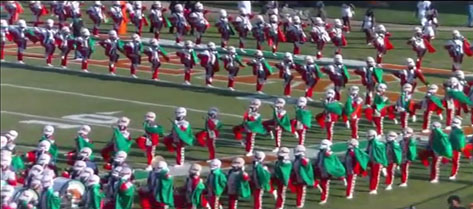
(33, 95)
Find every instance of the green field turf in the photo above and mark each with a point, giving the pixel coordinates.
(31, 96)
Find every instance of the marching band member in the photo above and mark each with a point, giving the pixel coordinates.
(126, 189)
(179, 22)
(381, 42)
(210, 134)
(150, 139)
(232, 63)
(431, 104)
(319, 35)
(258, 31)
(457, 47)
(367, 25)
(327, 166)
(379, 108)
(198, 21)
(251, 125)
(181, 136)
(153, 53)
(409, 153)
(371, 76)
(8, 175)
(7, 197)
(82, 141)
(210, 62)
(352, 110)
(261, 69)
(58, 8)
(332, 110)
(281, 176)
(157, 19)
(47, 136)
(348, 10)
(224, 28)
(163, 184)
(13, 9)
(411, 74)
(338, 74)
(137, 16)
(96, 14)
(189, 59)
(337, 35)
(303, 120)
(38, 10)
(194, 188)
(133, 51)
(295, 33)
(458, 142)
(75, 171)
(454, 98)
(279, 123)
(85, 47)
(377, 153)
(394, 157)
(93, 195)
(311, 74)
(273, 33)
(48, 197)
(116, 12)
(238, 185)
(302, 174)
(21, 34)
(439, 147)
(242, 25)
(216, 183)
(356, 163)
(65, 43)
(260, 179)
(112, 46)
(420, 45)
(46, 36)
(405, 106)
(285, 72)
(121, 141)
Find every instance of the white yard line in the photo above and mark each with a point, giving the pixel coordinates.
(110, 98)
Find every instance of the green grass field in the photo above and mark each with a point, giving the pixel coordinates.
(32, 96)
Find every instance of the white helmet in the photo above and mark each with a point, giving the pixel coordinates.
(65, 29)
(123, 121)
(154, 42)
(301, 102)
(407, 87)
(259, 53)
(453, 80)
(7, 192)
(50, 23)
(433, 88)
(283, 152)
(407, 132)
(231, 50)
(338, 23)
(213, 112)
(3, 23)
(273, 18)
(44, 159)
(22, 23)
(181, 112)
(259, 18)
(353, 143)
(354, 89)
(381, 28)
(136, 37)
(84, 129)
(188, 44)
(85, 32)
(44, 146)
(296, 20)
(255, 103)
(299, 150)
(211, 45)
(47, 181)
(48, 130)
(223, 13)
(79, 165)
(309, 59)
(93, 180)
(330, 93)
(318, 21)
(242, 11)
(391, 136)
(259, 156)
(436, 124)
(238, 162)
(120, 157)
(85, 152)
(86, 174)
(338, 58)
(162, 165)
(150, 116)
(280, 102)
(457, 122)
(456, 34)
(370, 61)
(112, 34)
(97, 3)
(460, 74)
(215, 164)
(157, 4)
(199, 6)
(11, 135)
(325, 144)
(417, 30)
(178, 8)
(382, 87)
(36, 170)
(195, 169)
(288, 56)
(371, 134)
(410, 62)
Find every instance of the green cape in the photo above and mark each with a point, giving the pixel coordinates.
(304, 116)
(164, 192)
(307, 173)
(196, 196)
(457, 139)
(17, 163)
(334, 107)
(264, 177)
(460, 96)
(121, 142)
(186, 136)
(397, 152)
(362, 157)
(440, 143)
(124, 199)
(219, 182)
(255, 126)
(282, 171)
(348, 109)
(52, 149)
(53, 201)
(333, 166)
(379, 103)
(437, 101)
(284, 122)
(96, 197)
(378, 152)
(153, 129)
(412, 150)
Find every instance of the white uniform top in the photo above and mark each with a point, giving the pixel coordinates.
(379, 39)
(347, 12)
(417, 42)
(157, 13)
(244, 21)
(429, 30)
(48, 35)
(116, 11)
(75, 7)
(338, 32)
(96, 11)
(321, 33)
(287, 67)
(367, 20)
(457, 45)
(212, 56)
(198, 18)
